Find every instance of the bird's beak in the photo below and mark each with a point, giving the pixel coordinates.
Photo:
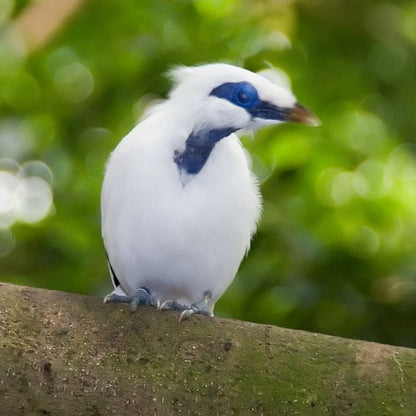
(300, 114)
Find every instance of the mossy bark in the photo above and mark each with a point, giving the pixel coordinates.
(66, 354)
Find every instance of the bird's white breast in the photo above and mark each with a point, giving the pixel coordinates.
(177, 236)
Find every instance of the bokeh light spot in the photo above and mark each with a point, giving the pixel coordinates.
(370, 179)
(25, 192)
(34, 200)
(334, 187)
(390, 62)
(9, 185)
(16, 138)
(360, 131)
(393, 289)
(36, 168)
(74, 82)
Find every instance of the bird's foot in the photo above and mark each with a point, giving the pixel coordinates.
(141, 297)
(200, 307)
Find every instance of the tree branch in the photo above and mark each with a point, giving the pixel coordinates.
(66, 354)
(40, 21)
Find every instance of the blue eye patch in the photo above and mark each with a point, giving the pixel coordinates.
(242, 94)
(245, 95)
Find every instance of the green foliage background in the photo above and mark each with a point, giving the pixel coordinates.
(336, 249)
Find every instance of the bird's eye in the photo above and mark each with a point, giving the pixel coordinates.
(245, 95)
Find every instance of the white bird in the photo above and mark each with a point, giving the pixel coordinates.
(179, 201)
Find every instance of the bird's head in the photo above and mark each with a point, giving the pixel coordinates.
(222, 96)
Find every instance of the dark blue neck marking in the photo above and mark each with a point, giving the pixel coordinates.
(198, 147)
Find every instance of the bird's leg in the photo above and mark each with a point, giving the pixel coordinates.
(141, 297)
(200, 307)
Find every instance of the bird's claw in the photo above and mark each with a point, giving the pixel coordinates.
(141, 297)
(200, 307)
(172, 305)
